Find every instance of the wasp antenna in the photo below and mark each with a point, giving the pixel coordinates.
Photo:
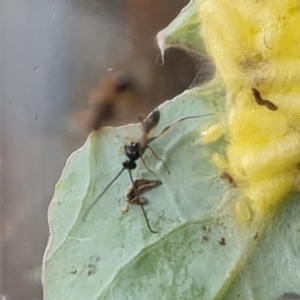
(174, 123)
(142, 205)
(99, 197)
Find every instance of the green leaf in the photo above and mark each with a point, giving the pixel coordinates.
(201, 251)
(273, 267)
(184, 31)
(114, 256)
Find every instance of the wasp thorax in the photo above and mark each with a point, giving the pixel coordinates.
(132, 151)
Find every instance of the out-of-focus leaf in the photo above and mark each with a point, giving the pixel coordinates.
(183, 31)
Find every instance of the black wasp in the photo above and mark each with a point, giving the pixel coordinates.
(135, 151)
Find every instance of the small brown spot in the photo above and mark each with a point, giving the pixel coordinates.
(225, 175)
(256, 235)
(205, 238)
(73, 272)
(222, 241)
(206, 229)
(92, 269)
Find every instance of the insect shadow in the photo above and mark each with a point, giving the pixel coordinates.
(135, 151)
(142, 186)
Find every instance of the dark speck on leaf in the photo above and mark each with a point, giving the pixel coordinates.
(92, 269)
(206, 229)
(256, 235)
(222, 242)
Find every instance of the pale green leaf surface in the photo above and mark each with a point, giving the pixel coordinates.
(274, 266)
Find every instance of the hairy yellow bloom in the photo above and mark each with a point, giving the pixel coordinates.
(256, 47)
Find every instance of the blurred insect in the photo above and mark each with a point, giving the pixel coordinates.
(260, 101)
(116, 91)
(135, 151)
(122, 93)
(136, 85)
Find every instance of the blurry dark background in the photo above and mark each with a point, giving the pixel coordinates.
(51, 53)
